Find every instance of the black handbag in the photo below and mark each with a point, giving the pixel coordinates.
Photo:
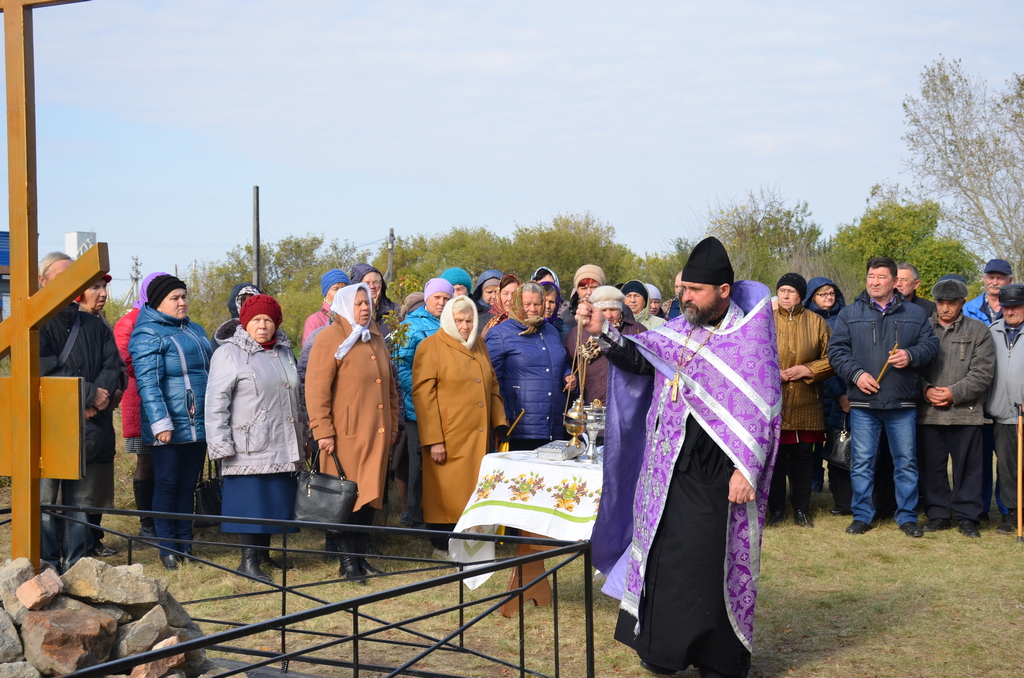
(839, 445)
(323, 498)
(209, 493)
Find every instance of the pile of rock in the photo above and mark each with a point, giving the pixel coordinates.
(54, 625)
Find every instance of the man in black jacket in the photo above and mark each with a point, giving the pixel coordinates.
(878, 344)
(78, 344)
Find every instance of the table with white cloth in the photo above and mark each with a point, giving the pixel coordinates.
(547, 498)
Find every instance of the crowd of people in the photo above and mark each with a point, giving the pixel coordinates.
(495, 363)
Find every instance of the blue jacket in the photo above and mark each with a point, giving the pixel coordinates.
(421, 325)
(675, 312)
(861, 341)
(972, 309)
(173, 395)
(531, 371)
(834, 386)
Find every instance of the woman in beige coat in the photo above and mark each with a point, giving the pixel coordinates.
(458, 403)
(353, 411)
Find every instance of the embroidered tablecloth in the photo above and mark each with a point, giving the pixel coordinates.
(557, 499)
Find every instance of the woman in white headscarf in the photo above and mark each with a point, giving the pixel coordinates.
(353, 411)
(458, 404)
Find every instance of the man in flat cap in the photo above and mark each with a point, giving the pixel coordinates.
(709, 385)
(1005, 396)
(985, 307)
(950, 415)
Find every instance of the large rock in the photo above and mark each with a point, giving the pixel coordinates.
(119, 614)
(176, 614)
(195, 659)
(10, 642)
(64, 641)
(18, 670)
(13, 575)
(160, 666)
(141, 635)
(66, 603)
(96, 582)
(37, 592)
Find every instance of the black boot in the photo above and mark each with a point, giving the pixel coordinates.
(331, 545)
(350, 566)
(265, 559)
(144, 502)
(250, 558)
(362, 546)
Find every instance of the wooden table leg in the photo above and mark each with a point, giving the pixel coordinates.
(539, 593)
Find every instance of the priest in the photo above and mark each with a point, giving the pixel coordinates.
(686, 487)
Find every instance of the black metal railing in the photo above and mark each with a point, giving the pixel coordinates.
(298, 644)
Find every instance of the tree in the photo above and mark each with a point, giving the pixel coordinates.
(766, 237)
(966, 148)
(568, 242)
(420, 257)
(903, 231)
(291, 273)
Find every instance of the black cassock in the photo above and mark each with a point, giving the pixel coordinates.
(683, 614)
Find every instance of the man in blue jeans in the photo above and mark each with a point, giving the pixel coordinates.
(878, 344)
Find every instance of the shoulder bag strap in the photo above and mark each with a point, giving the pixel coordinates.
(70, 343)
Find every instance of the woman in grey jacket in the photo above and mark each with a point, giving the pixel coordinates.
(253, 427)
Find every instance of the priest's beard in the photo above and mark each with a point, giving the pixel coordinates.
(703, 315)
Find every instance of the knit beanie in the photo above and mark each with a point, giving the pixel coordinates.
(796, 281)
(435, 285)
(458, 276)
(260, 304)
(589, 271)
(635, 286)
(653, 292)
(607, 296)
(160, 287)
(332, 278)
(708, 264)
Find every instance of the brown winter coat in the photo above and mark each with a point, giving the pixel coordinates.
(458, 402)
(803, 340)
(355, 401)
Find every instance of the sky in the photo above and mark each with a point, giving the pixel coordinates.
(156, 118)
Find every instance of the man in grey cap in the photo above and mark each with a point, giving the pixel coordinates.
(986, 308)
(950, 416)
(1005, 396)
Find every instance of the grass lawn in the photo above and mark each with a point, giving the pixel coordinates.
(830, 604)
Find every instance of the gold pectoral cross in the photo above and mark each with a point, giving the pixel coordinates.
(675, 387)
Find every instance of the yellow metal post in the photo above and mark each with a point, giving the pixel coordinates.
(20, 332)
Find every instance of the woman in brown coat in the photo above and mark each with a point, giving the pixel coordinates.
(353, 411)
(803, 358)
(457, 401)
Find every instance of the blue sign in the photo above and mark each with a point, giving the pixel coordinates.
(5, 248)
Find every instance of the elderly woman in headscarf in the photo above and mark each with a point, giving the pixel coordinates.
(530, 362)
(458, 403)
(353, 411)
(374, 279)
(422, 323)
(552, 304)
(485, 292)
(507, 287)
(253, 427)
(654, 305)
(637, 299)
(582, 347)
(330, 283)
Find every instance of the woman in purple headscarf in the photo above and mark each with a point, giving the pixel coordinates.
(130, 422)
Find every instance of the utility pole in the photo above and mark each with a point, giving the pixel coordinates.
(135, 292)
(256, 238)
(391, 256)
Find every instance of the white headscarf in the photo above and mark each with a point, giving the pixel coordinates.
(448, 320)
(344, 305)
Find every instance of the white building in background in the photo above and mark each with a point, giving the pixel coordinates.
(77, 242)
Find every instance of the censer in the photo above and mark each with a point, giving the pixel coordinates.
(575, 423)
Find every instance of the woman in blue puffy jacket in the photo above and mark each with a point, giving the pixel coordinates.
(171, 356)
(530, 362)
